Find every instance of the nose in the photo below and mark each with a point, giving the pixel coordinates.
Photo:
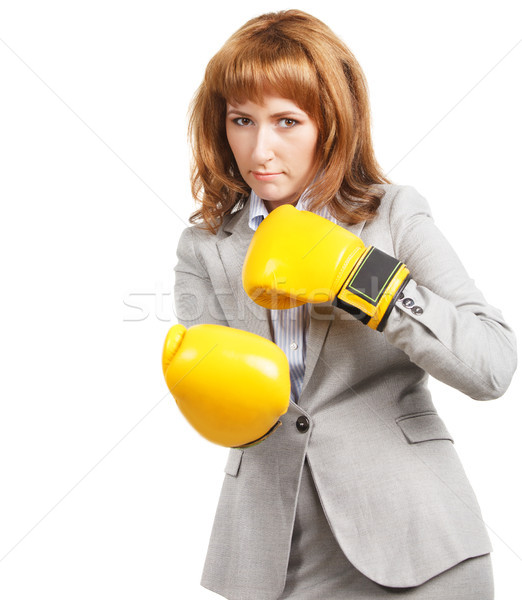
(263, 148)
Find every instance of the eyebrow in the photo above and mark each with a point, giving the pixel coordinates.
(283, 113)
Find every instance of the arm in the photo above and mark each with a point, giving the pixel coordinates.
(195, 298)
(458, 337)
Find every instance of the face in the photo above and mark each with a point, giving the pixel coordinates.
(274, 144)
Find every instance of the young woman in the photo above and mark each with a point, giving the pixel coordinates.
(360, 493)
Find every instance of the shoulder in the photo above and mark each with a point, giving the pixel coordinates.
(197, 241)
(197, 235)
(403, 214)
(192, 243)
(401, 200)
(402, 208)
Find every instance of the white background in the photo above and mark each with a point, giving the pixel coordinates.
(105, 491)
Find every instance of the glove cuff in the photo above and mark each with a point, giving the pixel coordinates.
(263, 437)
(372, 288)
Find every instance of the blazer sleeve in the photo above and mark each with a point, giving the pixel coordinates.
(195, 299)
(454, 334)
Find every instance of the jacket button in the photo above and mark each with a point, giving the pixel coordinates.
(302, 424)
(417, 310)
(408, 302)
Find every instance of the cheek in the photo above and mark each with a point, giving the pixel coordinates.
(230, 137)
(235, 145)
(309, 147)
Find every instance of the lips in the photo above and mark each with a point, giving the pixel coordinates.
(263, 176)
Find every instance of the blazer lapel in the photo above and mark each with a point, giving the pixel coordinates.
(321, 318)
(232, 250)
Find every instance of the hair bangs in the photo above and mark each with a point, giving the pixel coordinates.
(260, 69)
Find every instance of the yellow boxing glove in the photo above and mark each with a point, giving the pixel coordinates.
(297, 257)
(231, 385)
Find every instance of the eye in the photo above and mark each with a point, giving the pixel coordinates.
(287, 123)
(242, 121)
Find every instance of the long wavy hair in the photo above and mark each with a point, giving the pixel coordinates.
(296, 56)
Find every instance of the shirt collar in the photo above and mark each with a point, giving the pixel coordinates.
(258, 210)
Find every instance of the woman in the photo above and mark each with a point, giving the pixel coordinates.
(360, 493)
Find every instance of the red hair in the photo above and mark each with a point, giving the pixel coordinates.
(296, 56)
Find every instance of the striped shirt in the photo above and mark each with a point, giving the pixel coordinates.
(291, 325)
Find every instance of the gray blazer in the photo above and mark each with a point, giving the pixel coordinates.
(390, 482)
